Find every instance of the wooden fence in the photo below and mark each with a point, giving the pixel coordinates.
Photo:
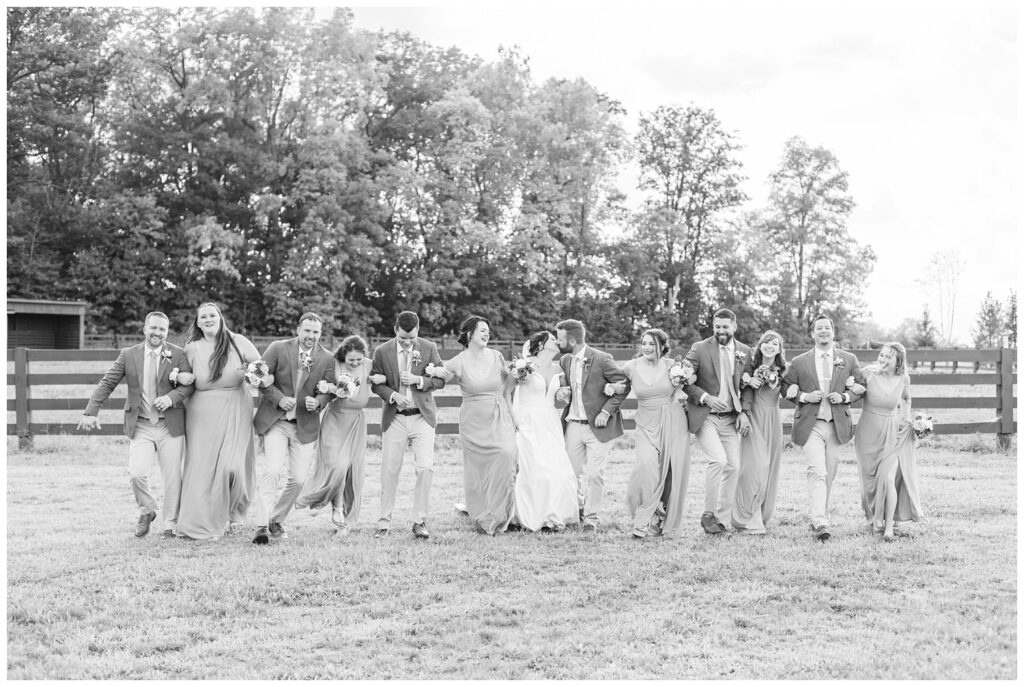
(1001, 421)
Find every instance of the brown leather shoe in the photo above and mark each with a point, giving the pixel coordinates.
(142, 529)
(419, 530)
(710, 524)
(821, 533)
(262, 536)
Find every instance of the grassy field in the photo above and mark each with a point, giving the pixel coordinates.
(88, 600)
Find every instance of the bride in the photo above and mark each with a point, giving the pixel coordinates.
(545, 489)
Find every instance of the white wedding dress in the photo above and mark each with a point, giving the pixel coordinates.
(545, 491)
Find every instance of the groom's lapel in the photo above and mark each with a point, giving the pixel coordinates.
(588, 352)
(391, 360)
(712, 349)
(139, 359)
(812, 363)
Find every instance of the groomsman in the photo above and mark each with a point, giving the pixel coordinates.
(591, 420)
(288, 417)
(154, 419)
(408, 419)
(716, 416)
(822, 423)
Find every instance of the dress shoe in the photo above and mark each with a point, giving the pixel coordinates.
(710, 525)
(821, 533)
(261, 536)
(381, 533)
(142, 529)
(277, 530)
(419, 530)
(168, 534)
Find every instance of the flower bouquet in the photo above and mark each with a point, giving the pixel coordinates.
(432, 370)
(346, 387)
(922, 424)
(520, 368)
(255, 372)
(767, 374)
(680, 372)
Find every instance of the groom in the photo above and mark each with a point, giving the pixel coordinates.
(591, 420)
(288, 417)
(154, 419)
(716, 417)
(817, 382)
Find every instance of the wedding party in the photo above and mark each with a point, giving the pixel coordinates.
(512, 342)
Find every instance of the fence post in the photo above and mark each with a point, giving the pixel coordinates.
(1004, 391)
(21, 416)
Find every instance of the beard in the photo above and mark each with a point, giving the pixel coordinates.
(567, 348)
(723, 339)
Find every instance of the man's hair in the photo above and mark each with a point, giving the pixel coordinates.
(724, 314)
(310, 316)
(155, 313)
(573, 329)
(407, 321)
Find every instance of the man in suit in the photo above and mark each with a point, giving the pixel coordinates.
(591, 420)
(408, 419)
(716, 416)
(288, 417)
(154, 419)
(821, 422)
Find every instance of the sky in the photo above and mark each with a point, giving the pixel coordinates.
(918, 101)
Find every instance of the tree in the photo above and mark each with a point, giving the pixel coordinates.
(823, 268)
(689, 163)
(1011, 320)
(925, 336)
(941, 279)
(989, 326)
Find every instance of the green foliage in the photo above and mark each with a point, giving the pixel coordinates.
(989, 326)
(926, 336)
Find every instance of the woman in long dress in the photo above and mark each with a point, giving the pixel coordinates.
(884, 441)
(761, 448)
(485, 428)
(220, 458)
(545, 485)
(656, 491)
(340, 468)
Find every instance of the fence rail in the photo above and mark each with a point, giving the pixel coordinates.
(1003, 401)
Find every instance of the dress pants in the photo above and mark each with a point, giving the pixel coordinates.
(406, 431)
(588, 456)
(822, 454)
(287, 460)
(153, 443)
(720, 442)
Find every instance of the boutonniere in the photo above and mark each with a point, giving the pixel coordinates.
(416, 358)
(740, 356)
(167, 354)
(839, 363)
(306, 359)
(586, 362)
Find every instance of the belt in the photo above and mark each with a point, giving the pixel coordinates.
(725, 414)
(582, 422)
(410, 411)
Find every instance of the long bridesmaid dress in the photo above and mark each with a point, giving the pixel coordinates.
(760, 459)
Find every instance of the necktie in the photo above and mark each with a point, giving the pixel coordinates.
(405, 390)
(826, 384)
(300, 377)
(149, 384)
(725, 392)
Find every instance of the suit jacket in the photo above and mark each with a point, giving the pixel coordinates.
(129, 366)
(282, 357)
(803, 372)
(599, 369)
(385, 362)
(703, 356)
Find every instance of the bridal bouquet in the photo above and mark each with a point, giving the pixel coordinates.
(256, 371)
(680, 372)
(922, 424)
(520, 368)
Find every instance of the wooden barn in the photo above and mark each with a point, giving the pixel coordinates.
(45, 324)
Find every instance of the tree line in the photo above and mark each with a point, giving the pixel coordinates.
(277, 160)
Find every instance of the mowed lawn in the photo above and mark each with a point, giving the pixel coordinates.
(86, 599)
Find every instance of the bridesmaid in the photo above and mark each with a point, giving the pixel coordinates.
(339, 471)
(656, 490)
(220, 458)
(761, 448)
(485, 427)
(884, 442)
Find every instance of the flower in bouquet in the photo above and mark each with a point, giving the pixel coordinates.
(432, 370)
(347, 386)
(520, 368)
(680, 372)
(768, 374)
(325, 387)
(256, 371)
(922, 424)
(173, 376)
